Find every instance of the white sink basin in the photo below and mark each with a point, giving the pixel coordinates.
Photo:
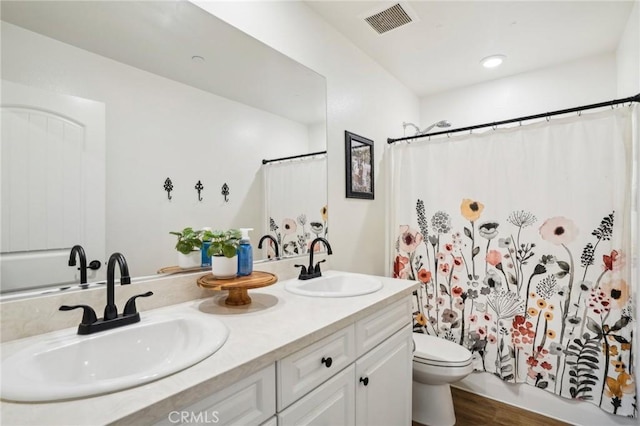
(334, 284)
(64, 365)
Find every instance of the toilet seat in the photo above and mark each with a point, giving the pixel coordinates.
(437, 352)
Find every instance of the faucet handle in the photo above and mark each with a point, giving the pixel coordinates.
(89, 315)
(130, 306)
(303, 271)
(94, 265)
(317, 267)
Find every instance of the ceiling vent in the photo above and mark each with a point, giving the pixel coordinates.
(389, 19)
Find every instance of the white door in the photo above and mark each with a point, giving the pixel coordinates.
(383, 382)
(53, 186)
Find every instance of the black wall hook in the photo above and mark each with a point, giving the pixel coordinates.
(168, 186)
(225, 192)
(199, 187)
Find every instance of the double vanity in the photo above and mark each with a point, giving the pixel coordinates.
(335, 349)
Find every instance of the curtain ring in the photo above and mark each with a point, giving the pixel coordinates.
(448, 135)
(520, 123)
(494, 127)
(580, 113)
(470, 131)
(547, 118)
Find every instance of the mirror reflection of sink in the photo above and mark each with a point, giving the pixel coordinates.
(334, 284)
(64, 365)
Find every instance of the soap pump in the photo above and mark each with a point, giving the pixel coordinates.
(245, 253)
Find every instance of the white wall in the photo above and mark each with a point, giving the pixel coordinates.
(157, 128)
(628, 56)
(580, 82)
(361, 97)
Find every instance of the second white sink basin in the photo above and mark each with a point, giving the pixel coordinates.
(335, 284)
(64, 365)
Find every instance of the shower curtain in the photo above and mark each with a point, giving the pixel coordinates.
(296, 203)
(521, 240)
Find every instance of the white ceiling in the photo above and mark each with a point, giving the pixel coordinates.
(442, 49)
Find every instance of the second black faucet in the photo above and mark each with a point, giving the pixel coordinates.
(313, 271)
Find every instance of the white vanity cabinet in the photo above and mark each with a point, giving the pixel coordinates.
(358, 375)
(375, 387)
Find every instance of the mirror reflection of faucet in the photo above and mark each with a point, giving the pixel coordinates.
(90, 322)
(273, 240)
(78, 251)
(306, 273)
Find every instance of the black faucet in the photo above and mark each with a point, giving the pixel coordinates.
(313, 271)
(79, 251)
(111, 311)
(90, 324)
(275, 243)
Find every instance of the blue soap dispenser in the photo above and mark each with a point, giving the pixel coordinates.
(245, 253)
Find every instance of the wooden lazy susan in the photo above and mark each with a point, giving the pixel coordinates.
(238, 287)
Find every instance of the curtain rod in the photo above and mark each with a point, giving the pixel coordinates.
(630, 99)
(311, 154)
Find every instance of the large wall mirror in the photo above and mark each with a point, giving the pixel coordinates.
(104, 102)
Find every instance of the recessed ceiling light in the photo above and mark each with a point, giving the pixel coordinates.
(197, 58)
(492, 61)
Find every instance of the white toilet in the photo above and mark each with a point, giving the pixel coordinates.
(436, 363)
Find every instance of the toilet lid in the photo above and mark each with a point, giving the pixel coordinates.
(439, 351)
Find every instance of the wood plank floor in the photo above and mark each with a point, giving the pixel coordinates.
(475, 410)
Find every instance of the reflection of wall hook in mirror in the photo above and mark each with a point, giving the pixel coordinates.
(168, 186)
(225, 192)
(199, 188)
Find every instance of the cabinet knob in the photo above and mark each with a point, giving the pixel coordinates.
(364, 380)
(327, 361)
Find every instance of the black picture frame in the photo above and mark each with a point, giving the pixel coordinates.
(359, 166)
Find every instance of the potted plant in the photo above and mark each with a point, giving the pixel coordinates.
(188, 247)
(223, 250)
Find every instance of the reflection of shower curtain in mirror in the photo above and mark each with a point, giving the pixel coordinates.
(296, 202)
(521, 240)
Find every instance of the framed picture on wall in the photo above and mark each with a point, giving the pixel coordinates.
(359, 166)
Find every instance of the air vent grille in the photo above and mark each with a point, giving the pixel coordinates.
(389, 19)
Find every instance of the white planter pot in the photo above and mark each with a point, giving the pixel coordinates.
(224, 267)
(191, 260)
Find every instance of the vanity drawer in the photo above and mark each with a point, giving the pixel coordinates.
(375, 328)
(250, 401)
(302, 371)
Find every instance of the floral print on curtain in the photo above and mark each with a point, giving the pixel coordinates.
(524, 299)
(294, 236)
(295, 201)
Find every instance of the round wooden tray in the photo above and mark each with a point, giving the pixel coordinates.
(237, 287)
(170, 270)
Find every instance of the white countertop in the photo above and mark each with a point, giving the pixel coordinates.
(274, 325)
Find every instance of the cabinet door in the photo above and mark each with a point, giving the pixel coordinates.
(330, 404)
(249, 401)
(383, 382)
